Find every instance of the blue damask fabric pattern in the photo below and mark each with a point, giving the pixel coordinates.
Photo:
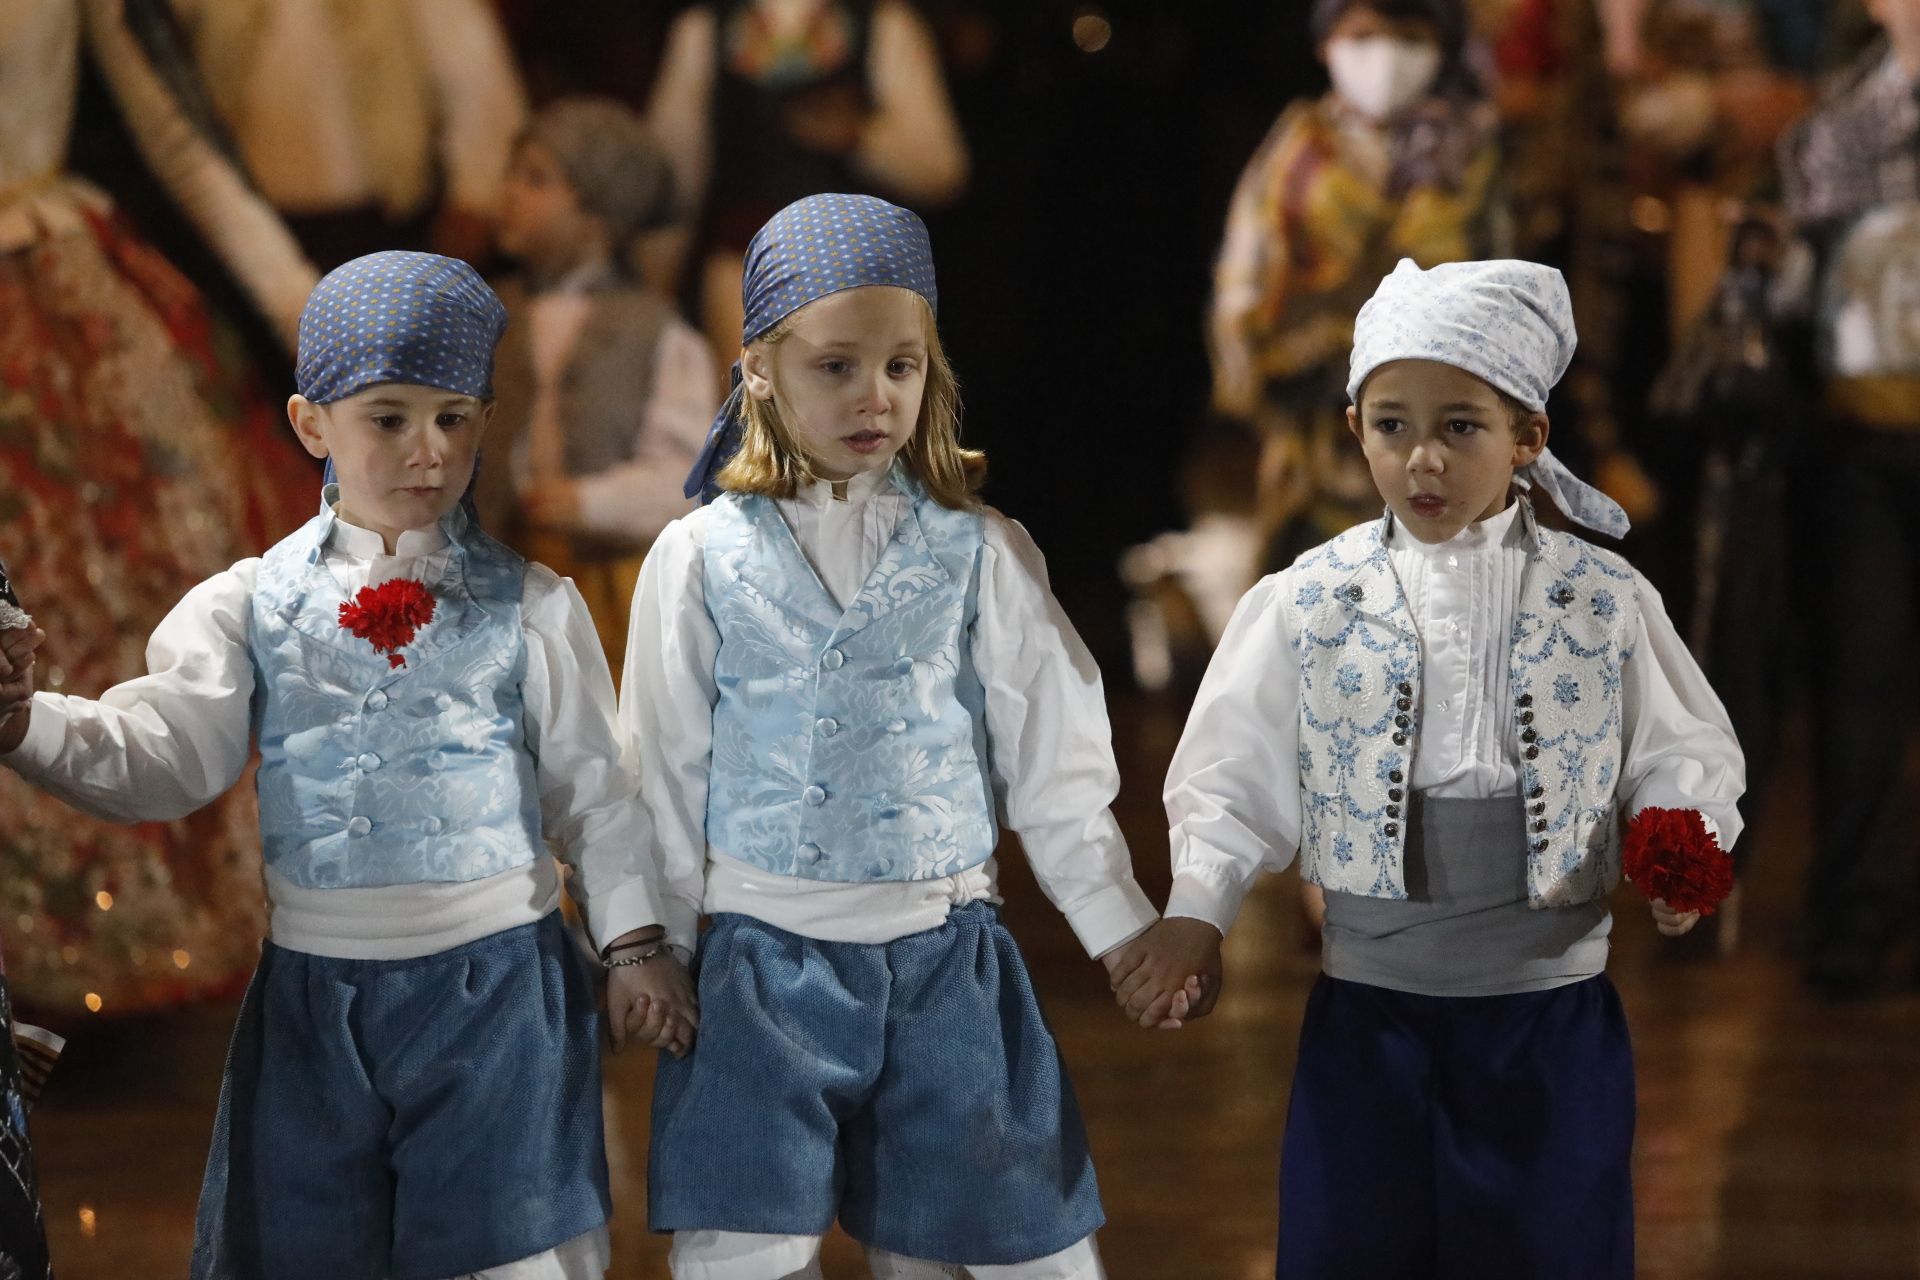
(847, 745)
(376, 775)
(1360, 680)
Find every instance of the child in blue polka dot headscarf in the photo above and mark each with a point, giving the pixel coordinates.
(418, 1047)
(844, 676)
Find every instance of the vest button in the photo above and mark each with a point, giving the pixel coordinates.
(1406, 704)
(815, 796)
(1402, 721)
(811, 853)
(827, 726)
(1396, 776)
(1525, 700)
(1393, 811)
(434, 826)
(377, 700)
(896, 726)
(1528, 735)
(1399, 739)
(833, 659)
(1540, 826)
(1395, 794)
(1404, 689)
(1526, 717)
(1532, 753)
(368, 762)
(1539, 846)
(359, 826)
(1392, 828)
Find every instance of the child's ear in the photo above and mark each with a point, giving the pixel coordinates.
(1529, 438)
(307, 419)
(756, 371)
(1353, 424)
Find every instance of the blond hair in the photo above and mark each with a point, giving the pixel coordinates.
(771, 460)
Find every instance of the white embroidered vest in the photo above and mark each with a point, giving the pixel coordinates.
(1360, 679)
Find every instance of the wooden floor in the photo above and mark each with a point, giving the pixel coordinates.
(1778, 1137)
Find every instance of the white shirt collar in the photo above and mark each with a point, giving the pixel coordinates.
(1481, 536)
(365, 544)
(860, 489)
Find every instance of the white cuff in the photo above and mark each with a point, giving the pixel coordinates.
(634, 905)
(1111, 916)
(1199, 896)
(46, 734)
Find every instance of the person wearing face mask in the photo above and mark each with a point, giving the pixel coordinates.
(1399, 159)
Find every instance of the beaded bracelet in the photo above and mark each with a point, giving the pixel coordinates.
(652, 949)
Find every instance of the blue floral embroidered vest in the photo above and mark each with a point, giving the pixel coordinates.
(1360, 680)
(847, 744)
(379, 775)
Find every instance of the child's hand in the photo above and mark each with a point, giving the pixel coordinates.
(17, 647)
(1670, 922)
(1177, 959)
(652, 1004)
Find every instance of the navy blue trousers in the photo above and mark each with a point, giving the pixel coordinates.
(1450, 1137)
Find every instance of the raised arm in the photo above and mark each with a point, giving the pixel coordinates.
(159, 746)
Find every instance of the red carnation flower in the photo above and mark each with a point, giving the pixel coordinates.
(1672, 856)
(389, 615)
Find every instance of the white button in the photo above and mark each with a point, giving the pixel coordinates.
(345, 720)
(359, 827)
(833, 659)
(815, 796)
(1455, 626)
(444, 701)
(896, 726)
(904, 667)
(811, 853)
(435, 826)
(882, 865)
(377, 700)
(827, 726)
(1453, 562)
(368, 762)
(1444, 704)
(436, 760)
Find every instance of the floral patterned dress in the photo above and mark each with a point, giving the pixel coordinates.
(136, 460)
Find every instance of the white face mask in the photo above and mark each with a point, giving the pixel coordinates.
(1380, 76)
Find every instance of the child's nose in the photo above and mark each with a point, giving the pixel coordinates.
(1425, 458)
(876, 398)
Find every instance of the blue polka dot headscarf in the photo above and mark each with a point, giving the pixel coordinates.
(813, 247)
(399, 317)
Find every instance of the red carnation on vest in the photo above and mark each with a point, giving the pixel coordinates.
(1672, 857)
(389, 615)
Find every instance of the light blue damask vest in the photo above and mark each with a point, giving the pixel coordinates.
(377, 775)
(848, 745)
(1360, 681)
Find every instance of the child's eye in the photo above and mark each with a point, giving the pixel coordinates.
(1386, 426)
(389, 421)
(903, 368)
(833, 366)
(451, 419)
(1463, 426)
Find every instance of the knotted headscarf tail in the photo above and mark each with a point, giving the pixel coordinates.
(1508, 323)
(813, 247)
(399, 316)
